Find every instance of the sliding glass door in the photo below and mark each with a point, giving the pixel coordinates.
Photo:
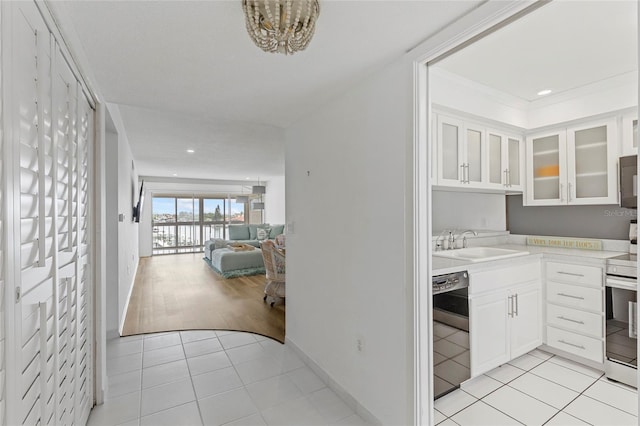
(182, 224)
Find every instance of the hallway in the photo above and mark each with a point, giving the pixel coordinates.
(207, 377)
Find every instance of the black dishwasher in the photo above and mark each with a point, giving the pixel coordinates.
(451, 358)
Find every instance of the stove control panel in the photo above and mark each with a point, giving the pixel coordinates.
(450, 282)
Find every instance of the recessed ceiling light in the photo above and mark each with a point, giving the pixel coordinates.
(190, 151)
(175, 174)
(544, 92)
(247, 178)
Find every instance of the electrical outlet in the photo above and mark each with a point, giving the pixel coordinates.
(291, 229)
(360, 346)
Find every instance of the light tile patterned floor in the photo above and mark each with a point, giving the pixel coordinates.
(213, 378)
(539, 389)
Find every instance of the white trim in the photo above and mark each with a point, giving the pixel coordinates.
(461, 31)
(99, 253)
(123, 314)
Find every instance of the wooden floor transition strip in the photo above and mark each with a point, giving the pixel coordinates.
(181, 292)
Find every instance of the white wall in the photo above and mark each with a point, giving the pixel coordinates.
(466, 210)
(122, 236)
(274, 201)
(349, 256)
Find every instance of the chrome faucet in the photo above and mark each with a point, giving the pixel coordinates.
(464, 239)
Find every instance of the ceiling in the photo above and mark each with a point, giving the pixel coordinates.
(561, 46)
(187, 75)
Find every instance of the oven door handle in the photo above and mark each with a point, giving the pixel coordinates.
(623, 283)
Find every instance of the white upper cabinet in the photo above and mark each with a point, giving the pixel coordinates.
(629, 134)
(505, 154)
(460, 152)
(471, 156)
(576, 165)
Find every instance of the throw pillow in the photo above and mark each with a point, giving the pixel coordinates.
(263, 233)
(276, 230)
(238, 232)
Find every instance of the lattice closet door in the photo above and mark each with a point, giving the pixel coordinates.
(52, 132)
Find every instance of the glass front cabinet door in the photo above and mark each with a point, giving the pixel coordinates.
(592, 163)
(461, 151)
(577, 165)
(505, 161)
(546, 169)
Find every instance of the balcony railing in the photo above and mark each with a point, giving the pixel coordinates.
(170, 238)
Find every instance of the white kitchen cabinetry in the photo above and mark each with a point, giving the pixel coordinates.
(461, 148)
(505, 315)
(574, 310)
(576, 165)
(629, 134)
(470, 155)
(505, 157)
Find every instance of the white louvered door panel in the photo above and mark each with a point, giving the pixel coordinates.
(33, 192)
(50, 156)
(83, 371)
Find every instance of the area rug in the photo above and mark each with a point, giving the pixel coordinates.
(181, 292)
(235, 272)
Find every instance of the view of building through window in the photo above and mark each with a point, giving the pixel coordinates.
(182, 224)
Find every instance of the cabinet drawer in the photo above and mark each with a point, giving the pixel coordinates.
(575, 320)
(575, 296)
(586, 347)
(576, 274)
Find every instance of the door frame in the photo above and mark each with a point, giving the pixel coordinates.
(492, 16)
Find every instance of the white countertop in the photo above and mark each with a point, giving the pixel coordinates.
(443, 265)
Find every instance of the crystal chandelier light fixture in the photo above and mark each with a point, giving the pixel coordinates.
(283, 26)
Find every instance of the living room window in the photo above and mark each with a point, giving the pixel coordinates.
(180, 224)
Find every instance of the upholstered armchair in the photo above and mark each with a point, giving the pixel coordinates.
(275, 266)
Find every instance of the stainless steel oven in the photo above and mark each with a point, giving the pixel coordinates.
(451, 331)
(621, 333)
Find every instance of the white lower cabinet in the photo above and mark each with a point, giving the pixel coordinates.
(574, 309)
(505, 315)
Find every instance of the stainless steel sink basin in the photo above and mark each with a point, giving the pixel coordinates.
(480, 254)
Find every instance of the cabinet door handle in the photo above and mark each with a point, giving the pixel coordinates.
(572, 344)
(509, 178)
(510, 311)
(506, 178)
(517, 306)
(573, 274)
(561, 193)
(467, 169)
(569, 192)
(570, 320)
(462, 173)
(570, 296)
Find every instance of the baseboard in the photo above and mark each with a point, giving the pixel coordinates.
(332, 384)
(126, 305)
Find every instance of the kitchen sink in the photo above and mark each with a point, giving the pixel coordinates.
(480, 254)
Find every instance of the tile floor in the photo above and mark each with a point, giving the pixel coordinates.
(539, 389)
(213, 378)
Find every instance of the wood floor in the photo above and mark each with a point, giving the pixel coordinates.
(181, 292)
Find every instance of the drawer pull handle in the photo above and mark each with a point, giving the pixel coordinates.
(571, 273)
(571, 296)
(570, 320)
(572, 344)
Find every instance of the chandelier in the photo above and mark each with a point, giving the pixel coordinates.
(284, 26)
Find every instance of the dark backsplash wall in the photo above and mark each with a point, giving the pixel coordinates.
(607, 222)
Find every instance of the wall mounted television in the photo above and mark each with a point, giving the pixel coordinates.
(137, 209)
